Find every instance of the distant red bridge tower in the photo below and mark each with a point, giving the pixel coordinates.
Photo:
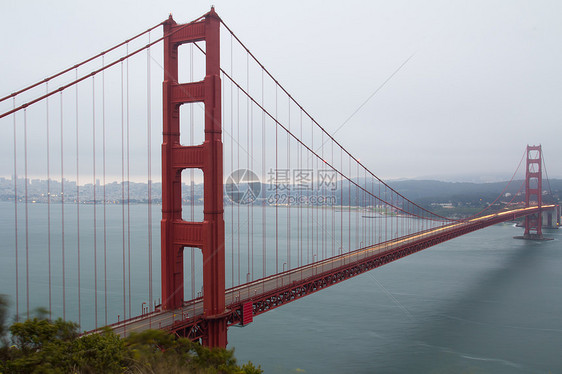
(533, 192)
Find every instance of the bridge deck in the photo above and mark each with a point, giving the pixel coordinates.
(279, 289)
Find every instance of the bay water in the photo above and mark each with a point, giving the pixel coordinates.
(481, 303)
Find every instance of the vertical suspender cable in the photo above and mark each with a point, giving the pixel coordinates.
(300, 223)
(397, 201)
(391, 219)
(26, 212)
(357, 244)
(248, 157)
(391, 210)
(410, 220)
(360, 210)
(231, 158)
(349, 211)
(263, 215)
(371, 203)
(16, 214)
(276, 190)
(402, 219)
(238, 167)
(397, 230)
(546, 173)
(62, 206)
(309, 206)
(289, 191)
(315, 221)
(377, 229)
(384, 224)
(123, 191)
(149, 172)
(366, 202)
(374, 202)
(399, 218)
(322, 210)
(380, 213)
(104, 193)
(357, 206)
(341, 204)
(94, 184)
(78, 207)
(128, 186)
(252, 168)
(408, 223)
(332, 206)
(396, 225)
(376, 224)
(315, 212)
(318, 229)
(48, 197)
(191, 174)
(223, 134)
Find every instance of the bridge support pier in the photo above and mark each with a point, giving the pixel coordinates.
(551, 218)
(177, 233)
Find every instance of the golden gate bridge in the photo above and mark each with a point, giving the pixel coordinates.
(321, 218)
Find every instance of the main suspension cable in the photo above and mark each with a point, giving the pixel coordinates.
(332, 166)
(101, 54)
(78, 80)
(322, 128)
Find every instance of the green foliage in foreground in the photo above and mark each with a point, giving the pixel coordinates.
(40, 345)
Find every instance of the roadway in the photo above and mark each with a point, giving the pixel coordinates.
(234, 297)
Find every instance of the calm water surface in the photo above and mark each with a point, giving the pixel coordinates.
(482, 303)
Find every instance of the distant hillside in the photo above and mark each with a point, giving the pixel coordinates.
(441, 192)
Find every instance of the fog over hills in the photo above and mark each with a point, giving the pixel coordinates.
(441, 191)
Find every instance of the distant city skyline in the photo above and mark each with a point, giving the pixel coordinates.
(138, 192)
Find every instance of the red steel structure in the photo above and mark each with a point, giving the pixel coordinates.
(254, 298)
(177, 233)
(533, 192)
(402, 227)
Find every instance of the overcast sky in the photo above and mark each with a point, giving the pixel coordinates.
(483, 81)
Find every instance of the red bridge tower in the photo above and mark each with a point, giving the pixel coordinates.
(533, 192)
(177, 233)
